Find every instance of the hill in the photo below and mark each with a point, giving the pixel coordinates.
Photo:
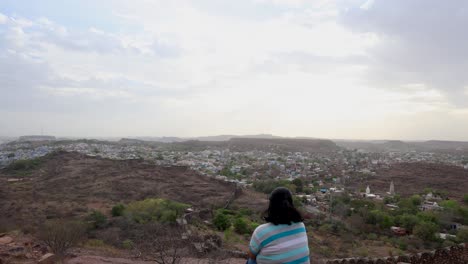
(261, 144)
(70, 184)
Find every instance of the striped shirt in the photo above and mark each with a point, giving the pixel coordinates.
(275, 244)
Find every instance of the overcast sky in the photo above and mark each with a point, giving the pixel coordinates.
(331, 69)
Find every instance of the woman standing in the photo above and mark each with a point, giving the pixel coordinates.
(283, 239)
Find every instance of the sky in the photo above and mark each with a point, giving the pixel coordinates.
(354, 69)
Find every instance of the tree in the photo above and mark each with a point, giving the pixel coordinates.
(426, 231)
(161, 243)
(299, 184)
(465, 198)
(407, 221)
(61, 235)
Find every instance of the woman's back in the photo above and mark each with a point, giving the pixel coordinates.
(280, 243)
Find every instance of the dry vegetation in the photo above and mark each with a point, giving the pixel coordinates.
(413, 178)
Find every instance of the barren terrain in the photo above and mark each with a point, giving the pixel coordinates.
(413, 178)
(71, 184)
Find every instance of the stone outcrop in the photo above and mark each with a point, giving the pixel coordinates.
(451, 255)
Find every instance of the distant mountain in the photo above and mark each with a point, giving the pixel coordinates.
(283, 144)
(443, 145)
(229, 137)
(203, 138)
(398, 145)
(36, 138)
(162, 139)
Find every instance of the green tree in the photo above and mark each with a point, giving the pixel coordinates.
(465, 198)
(299, 184)
(416, 200)
(407, 221)
(426, 231)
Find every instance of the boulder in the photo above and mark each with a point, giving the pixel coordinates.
(5, 240)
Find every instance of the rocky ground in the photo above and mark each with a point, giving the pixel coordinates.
(24, 249)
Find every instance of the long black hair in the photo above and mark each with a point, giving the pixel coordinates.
(281, 209)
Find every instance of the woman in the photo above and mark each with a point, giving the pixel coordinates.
(283, 239)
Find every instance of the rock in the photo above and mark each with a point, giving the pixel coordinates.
(48, 258)
(5, 240)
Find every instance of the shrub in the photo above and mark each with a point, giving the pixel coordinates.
(241, 226)
(127, 244)
(95, 243)
(118, 210)
(402, 244)
(221, 221)
(155, 210)
(61, 235)
(372, 236)
(462, 235)
(97, 219)
(449, 204)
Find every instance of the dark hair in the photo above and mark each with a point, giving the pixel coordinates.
(281, 209)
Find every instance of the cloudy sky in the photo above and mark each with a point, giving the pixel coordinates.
(331, 69)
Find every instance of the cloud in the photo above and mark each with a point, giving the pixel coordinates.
(206, 67)
(419, 42)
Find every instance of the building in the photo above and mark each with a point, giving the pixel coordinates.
(392, 189)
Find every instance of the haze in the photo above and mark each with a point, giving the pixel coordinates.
(329, 69)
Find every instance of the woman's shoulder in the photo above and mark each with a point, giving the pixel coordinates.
(263, 226)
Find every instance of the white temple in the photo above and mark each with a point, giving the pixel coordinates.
(392, 189)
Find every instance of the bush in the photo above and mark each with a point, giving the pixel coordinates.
(449, 204)
(61, 235)
(155, 210)
(97, 219)
(127, 244)
(462, 235)
(95, 243)
(241, 226)
(372, 236)
(402, 244)
(221, 221)
(118, 210)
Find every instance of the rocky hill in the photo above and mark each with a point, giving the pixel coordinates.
(70, 184)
